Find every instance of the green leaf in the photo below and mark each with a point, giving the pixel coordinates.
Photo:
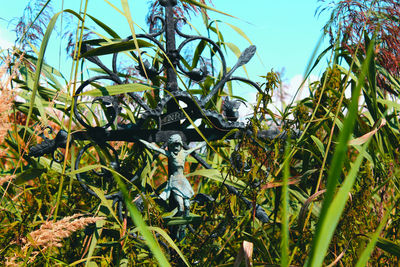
(28, 175)
(393, 82)
(170, 242)
(105, 202)
(285, 209)
(49, 71)
(104, 27)
(50, 164)
(115, 48)
(183, 220)
(319, 144)
(139, 221)
(234, 49)
(390, 104)
(197, 52)
(366, 254)
(336, 207)
(388, 246)
(118, 89)
(239, 31)
(91, 264)
(95, 238)
(84, 169)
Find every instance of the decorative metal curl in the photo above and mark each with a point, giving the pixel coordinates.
(162, 30)
(58, 156)
(116, 164)
(79, 91)
(190, 38)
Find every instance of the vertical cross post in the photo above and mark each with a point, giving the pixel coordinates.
(172, 54)
(173, 57)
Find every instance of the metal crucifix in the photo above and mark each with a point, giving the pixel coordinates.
(172, 120)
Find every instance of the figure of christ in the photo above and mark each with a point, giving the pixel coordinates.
(178, 187)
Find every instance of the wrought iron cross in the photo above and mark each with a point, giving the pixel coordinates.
(170, 118)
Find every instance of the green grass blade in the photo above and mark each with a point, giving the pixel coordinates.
(216, 175)
(389, 103)
(239, 31)
(326, 225)
(118, 89)
(135, 214)
(116, 47)
(170, 242)
(140, 223)
(110, 31)
(388, 246)
(28, 175)
(335, 210)
(319, 144)
(84, 169)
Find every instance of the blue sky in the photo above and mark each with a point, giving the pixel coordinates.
(285, 32)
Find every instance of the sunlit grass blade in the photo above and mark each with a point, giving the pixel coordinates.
(110, 31)
(170, 242)
(328, 221)
(118, 89)
(140, 223)
(128, 16)
(116, 47)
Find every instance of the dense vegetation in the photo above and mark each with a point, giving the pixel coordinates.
(331, 189)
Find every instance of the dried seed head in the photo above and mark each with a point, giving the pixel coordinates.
(51, 234)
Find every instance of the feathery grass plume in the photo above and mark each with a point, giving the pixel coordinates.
(7, 96)
(355, 19)
(31, 25)
(18, 259)
(5, 106)
(51, 234)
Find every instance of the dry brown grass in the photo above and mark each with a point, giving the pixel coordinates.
(51, 234)
(7, 93)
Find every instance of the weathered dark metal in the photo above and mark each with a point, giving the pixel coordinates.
(169, 117)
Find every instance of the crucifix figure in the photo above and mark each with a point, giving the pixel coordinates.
(178, 187)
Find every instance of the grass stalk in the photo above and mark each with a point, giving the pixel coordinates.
(285, 209)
